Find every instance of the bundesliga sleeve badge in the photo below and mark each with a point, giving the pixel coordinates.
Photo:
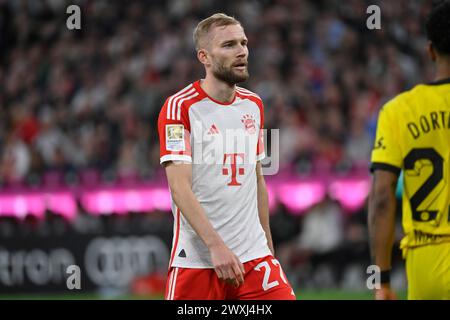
(175, 137)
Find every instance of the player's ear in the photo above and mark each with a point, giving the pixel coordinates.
(432, 51)
(203, 57)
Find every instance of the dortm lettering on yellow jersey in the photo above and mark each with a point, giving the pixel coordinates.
(434, 120)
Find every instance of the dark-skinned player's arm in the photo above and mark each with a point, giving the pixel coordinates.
(381, 222)
(263, 205)
(226, 263)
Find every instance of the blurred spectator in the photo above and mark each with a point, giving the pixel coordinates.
(283, 225)
(358, 146)
(322, 228)
(85, 223)
(9, 227)
(321, 236)
(14, 159)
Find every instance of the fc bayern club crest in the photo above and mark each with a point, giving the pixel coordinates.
(249, 123)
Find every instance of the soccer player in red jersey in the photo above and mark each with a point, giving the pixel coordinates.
(222, 246)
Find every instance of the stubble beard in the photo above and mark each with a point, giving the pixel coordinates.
(229, 76)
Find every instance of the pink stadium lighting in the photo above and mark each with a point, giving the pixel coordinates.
(62, 203)
(272, 198)
(298, 197)
(127, 200)
(350, 193)
(21, 205)
(161, 199)
(98, 202)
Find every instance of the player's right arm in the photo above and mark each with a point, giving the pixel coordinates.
(226, 263)
(386, 165)
(175, 156)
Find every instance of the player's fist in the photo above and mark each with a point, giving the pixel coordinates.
(385, 293)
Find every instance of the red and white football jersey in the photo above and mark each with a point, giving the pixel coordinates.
(223, 141)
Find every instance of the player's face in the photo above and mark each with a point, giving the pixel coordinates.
(229, 53)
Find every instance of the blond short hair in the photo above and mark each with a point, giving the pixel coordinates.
(216, 20)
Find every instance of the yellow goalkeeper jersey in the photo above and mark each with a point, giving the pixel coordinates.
(413, 136)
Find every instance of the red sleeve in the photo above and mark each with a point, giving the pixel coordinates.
(174, 136)
(260, 152)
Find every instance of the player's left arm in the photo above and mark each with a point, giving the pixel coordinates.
(381, 223)
(386, 166)
(263, 205)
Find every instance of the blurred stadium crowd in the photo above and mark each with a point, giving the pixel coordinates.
(89, 98)
(78, 100)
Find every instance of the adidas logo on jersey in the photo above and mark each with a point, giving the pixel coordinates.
(182, 254)
(213, 130)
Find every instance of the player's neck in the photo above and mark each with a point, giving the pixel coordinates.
(443, 69)
(217, 89)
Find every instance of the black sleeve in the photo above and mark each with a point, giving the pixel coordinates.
(384, 166)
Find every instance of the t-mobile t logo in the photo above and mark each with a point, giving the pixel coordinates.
(233, 165)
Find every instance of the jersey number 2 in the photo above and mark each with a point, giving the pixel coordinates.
(427, 187)
(266, 285)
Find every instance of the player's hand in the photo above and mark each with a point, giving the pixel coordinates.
(385, 293)
(227, 265)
